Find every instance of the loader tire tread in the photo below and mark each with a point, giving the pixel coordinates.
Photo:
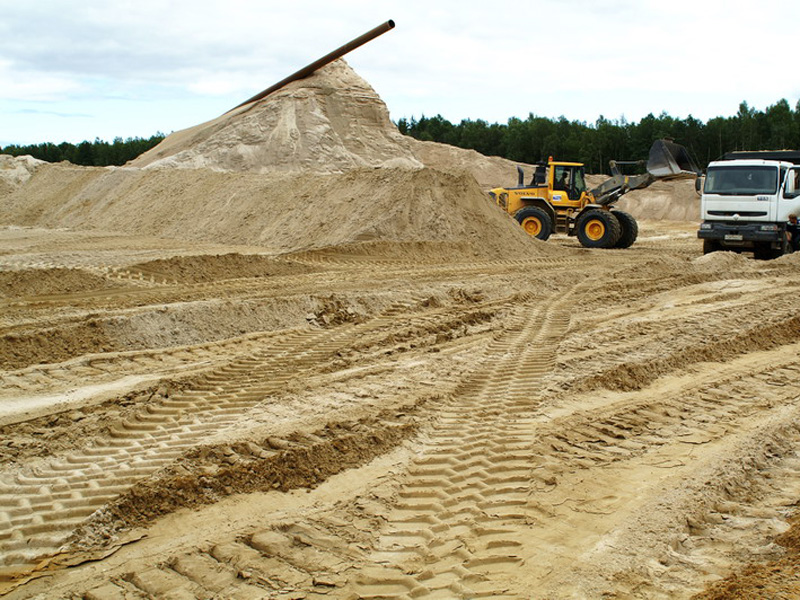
(535, 221)
(598, 229)
(630, 229)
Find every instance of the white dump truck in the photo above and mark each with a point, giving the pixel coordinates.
(746, 201)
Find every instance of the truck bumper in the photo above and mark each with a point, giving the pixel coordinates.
(742, 235)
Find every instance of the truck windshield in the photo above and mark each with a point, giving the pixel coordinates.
(741, 181)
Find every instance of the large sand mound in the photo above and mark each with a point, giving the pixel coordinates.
(281, 211)
(330, 122)
(316, 164)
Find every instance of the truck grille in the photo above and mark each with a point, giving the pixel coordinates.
(741, 213)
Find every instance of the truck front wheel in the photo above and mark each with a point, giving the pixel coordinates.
(598, 229)
(767, 252)
(710, 246)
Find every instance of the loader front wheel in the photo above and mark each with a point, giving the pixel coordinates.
(535, 222)
(630, 229)
(598, 229)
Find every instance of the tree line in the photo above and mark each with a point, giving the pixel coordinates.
(536, 138)
(91, 154)
(529, 140)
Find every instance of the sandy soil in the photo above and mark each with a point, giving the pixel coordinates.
(395, 420)
(289, 366)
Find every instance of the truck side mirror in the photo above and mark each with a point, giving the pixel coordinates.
(698, 183)
(790, 188)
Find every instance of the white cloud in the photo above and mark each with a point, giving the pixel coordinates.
(491, 60)
(29, 86)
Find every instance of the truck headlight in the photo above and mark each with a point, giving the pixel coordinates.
(770, 227)
(706, 226)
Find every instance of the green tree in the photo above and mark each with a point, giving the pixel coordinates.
(97, 153)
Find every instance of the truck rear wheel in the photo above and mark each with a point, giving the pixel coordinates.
(535, 221)
(598, 229)
(630, 229)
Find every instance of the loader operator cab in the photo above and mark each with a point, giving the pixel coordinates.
(569, 178)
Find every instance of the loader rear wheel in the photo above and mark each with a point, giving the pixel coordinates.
(598, 229)
(535, 222)
(630, 229)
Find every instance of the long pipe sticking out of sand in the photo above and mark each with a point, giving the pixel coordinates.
(318, 64)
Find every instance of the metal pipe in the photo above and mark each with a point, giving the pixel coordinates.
(317, 64)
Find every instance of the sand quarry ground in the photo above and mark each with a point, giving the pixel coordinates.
(350, 376)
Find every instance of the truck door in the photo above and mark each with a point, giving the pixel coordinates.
(790, 196)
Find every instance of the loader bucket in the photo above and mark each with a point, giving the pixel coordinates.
(670, 160)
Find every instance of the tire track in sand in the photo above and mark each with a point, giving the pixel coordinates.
(452, 523)
(456, 513)
(41, 507)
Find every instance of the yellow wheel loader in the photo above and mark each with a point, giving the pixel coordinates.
(558, 201)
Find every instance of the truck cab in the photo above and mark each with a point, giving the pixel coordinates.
(746, 201)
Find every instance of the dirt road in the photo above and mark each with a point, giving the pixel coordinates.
(410, 420)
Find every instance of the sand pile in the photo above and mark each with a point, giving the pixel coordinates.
(664, 200)
(205, 268)
(330, 122)
(45, 282)
(284, 212)
(316, 164)
(489, 171)
(16, 171)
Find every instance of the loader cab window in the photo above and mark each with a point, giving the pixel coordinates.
(580, 181)
(571, 180)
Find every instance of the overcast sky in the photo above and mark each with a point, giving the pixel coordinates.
(71, 71)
